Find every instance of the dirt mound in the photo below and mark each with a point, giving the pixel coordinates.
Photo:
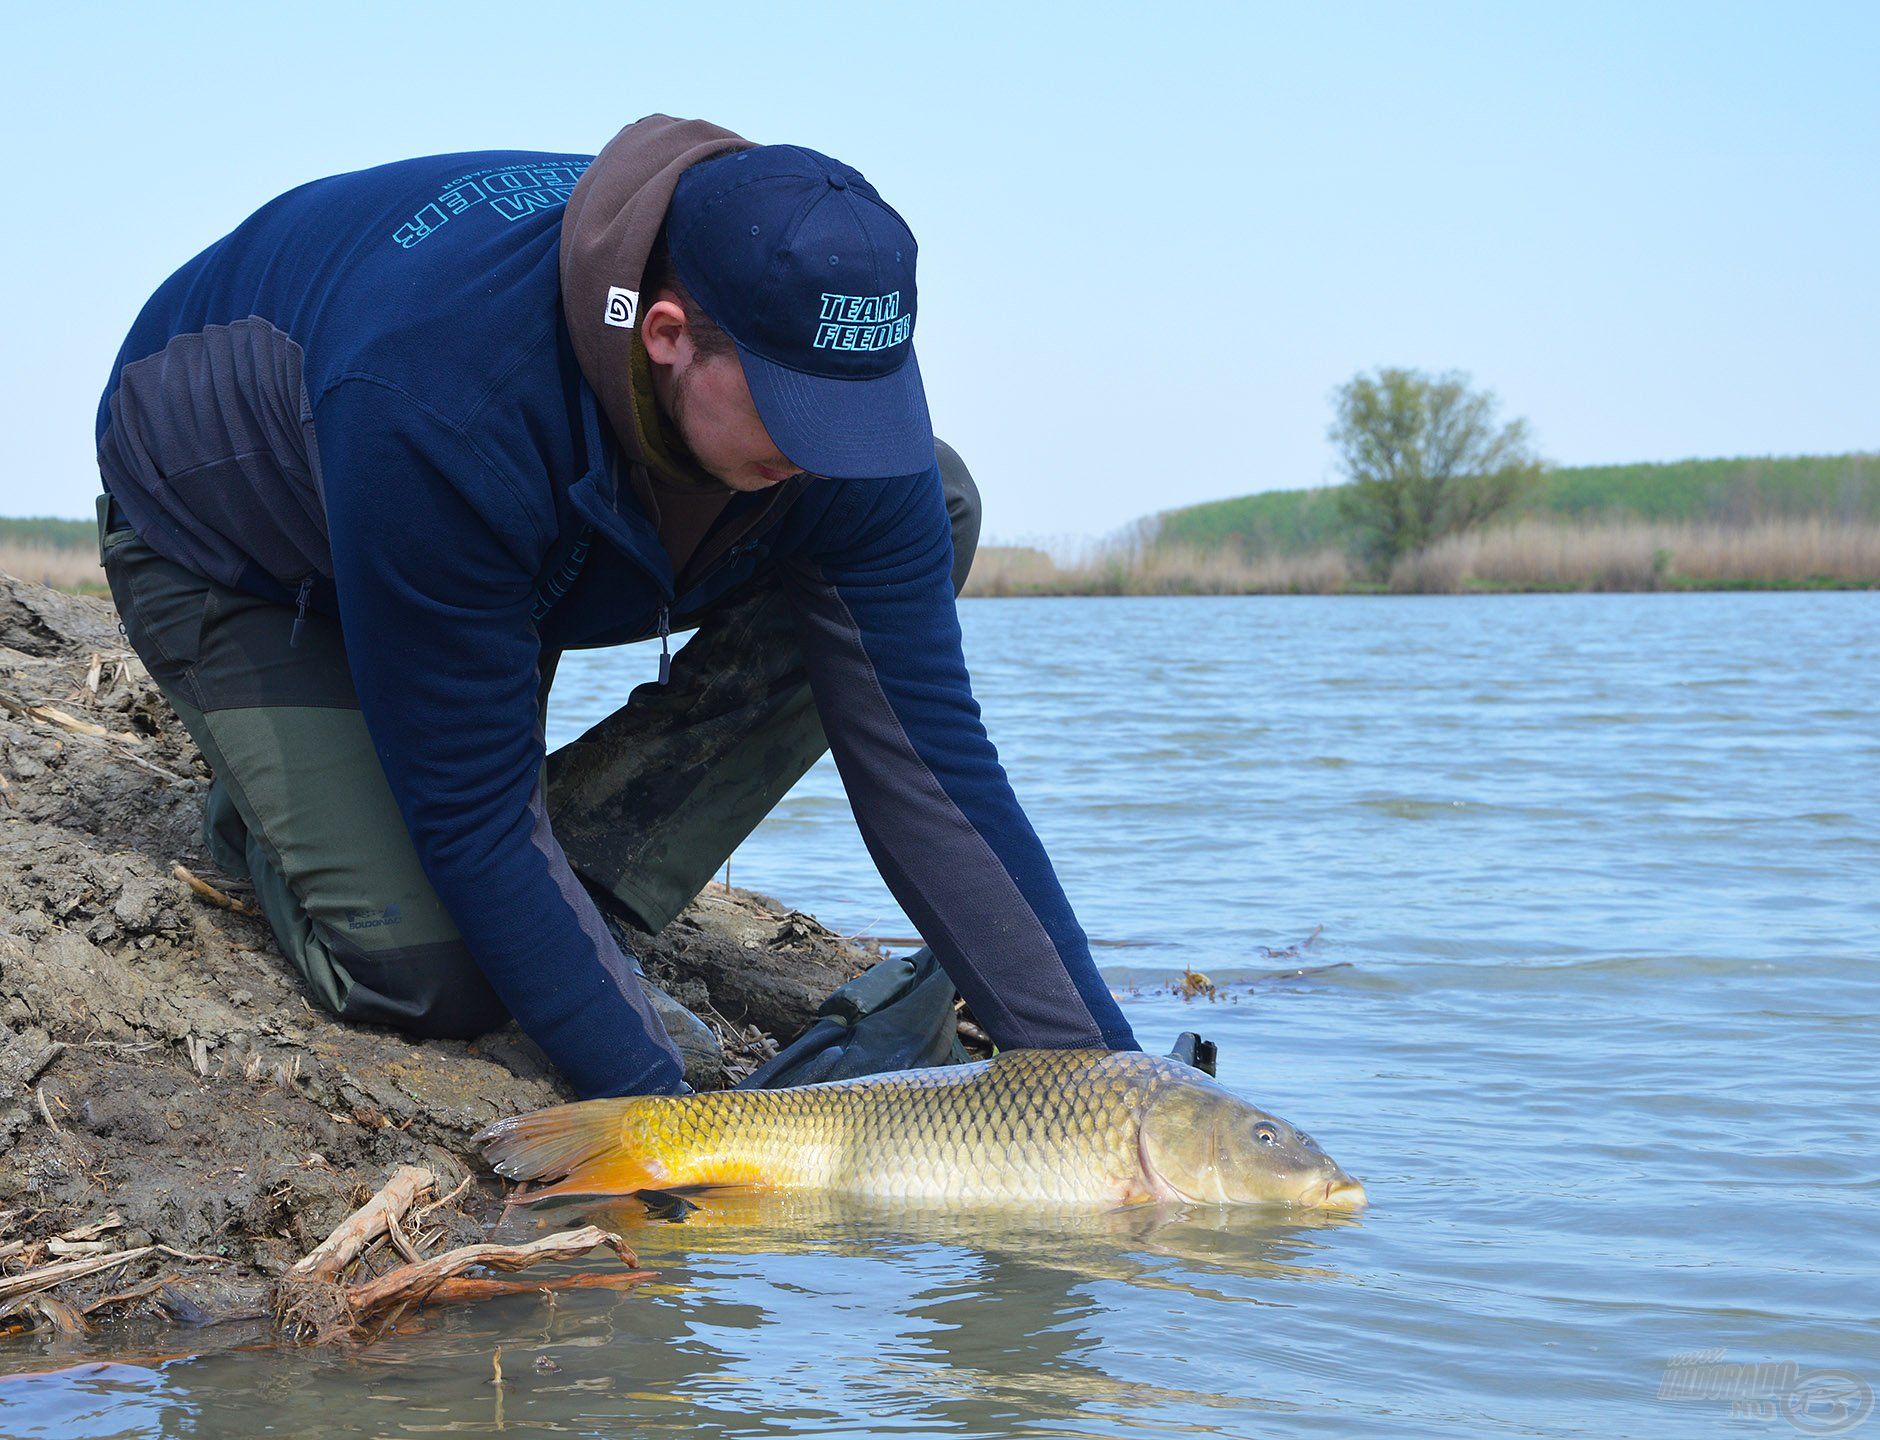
(162, 1074)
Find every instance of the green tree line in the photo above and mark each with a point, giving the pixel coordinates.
(1725, 491)
(44, 530)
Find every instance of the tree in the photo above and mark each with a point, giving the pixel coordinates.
(1424, 459)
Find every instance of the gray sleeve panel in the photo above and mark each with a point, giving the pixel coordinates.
(939, 867)
(594, 928)
(210, 451)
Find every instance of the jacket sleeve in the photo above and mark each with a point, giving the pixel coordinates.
(875, 612)
(435, 602)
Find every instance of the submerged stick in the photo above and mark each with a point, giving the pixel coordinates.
(364, 1225)
(417, 1282)
(461, 1289)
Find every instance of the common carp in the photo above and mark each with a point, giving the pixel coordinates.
(1088, 1128)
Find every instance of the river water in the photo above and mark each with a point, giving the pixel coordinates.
(1595, 880)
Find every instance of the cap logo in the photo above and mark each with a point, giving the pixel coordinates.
(862, 322)
(623, 306)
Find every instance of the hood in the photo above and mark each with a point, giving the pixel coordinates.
(607, 233)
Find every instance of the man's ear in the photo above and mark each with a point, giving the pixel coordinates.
(664, 332)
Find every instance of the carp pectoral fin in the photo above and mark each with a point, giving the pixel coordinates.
(665, 1205)
(580, 1143)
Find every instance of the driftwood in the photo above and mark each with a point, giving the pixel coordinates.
(371, 1220)
(414, 1284)
(315, 1301)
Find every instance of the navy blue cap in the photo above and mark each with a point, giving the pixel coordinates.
(811, 274)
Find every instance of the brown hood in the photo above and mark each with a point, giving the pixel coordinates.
(606, 235)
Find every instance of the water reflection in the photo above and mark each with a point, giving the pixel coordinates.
(783, 1315)
(826, 1311)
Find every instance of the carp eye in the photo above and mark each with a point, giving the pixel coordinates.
(1266, 1134)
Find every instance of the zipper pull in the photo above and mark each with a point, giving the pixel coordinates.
(665, 650)
(300, 612)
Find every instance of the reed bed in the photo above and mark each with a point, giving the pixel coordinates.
(1537, 555)
(66, 567)
(1528, 555)
(1159, 570)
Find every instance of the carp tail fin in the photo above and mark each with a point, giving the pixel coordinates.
(585, 1147)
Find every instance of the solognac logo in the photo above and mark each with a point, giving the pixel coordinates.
(623, 307)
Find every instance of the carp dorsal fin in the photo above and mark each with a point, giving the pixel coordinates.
(583, 1145)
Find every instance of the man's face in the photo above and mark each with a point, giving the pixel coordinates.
(712, 409)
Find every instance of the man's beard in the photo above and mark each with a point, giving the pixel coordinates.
(681, 389)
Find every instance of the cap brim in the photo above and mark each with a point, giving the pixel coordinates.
(846, 429)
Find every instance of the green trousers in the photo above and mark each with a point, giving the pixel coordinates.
(648, 804)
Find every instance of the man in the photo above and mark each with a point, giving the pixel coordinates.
(377, 457)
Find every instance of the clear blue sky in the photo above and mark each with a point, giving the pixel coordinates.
(1153, 238)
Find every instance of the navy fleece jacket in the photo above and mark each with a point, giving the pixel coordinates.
(364, 399)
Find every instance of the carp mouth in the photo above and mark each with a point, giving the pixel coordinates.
(1341, 1192)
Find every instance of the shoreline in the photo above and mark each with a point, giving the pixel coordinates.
(165, 1086)
(1385, 592)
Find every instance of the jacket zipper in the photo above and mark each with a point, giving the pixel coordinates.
(663, 616)
(300, 612)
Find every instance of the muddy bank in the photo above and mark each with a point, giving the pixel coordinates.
(162, 1074)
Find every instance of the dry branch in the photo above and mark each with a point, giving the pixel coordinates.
(364, 1225)
(415, 1283)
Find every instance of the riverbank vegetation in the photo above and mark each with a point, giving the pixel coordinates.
(1728, 492)
(1529, 555)
(1442, 497)
(1793, 522)
(64, 567)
